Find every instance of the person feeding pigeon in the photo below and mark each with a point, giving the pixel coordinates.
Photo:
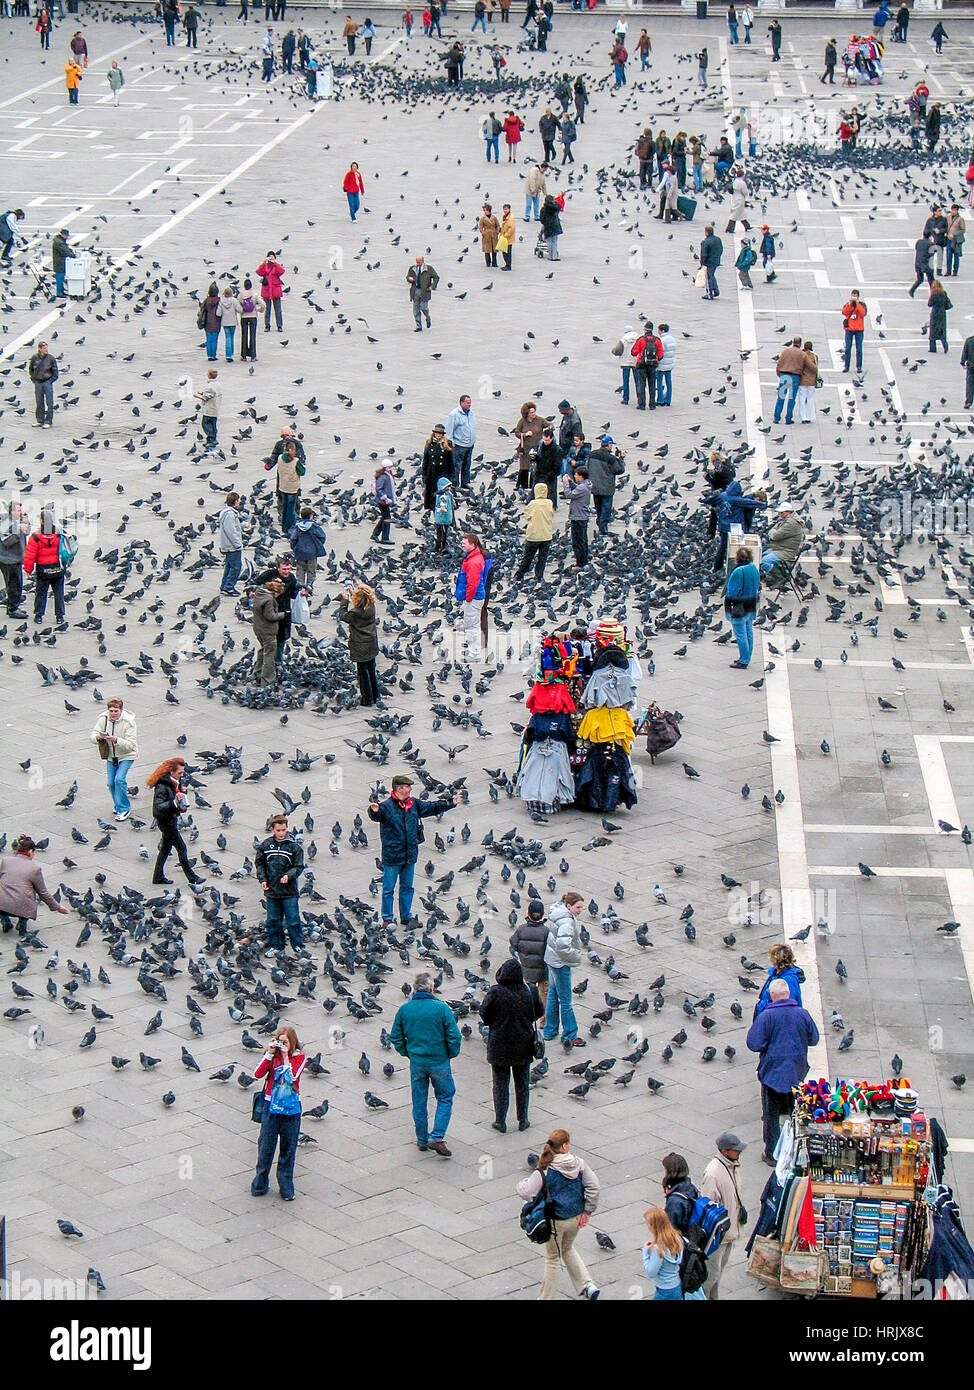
(401, 833)
(22, 886)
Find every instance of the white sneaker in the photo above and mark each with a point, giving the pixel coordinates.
(591, 1292)
(122, 815)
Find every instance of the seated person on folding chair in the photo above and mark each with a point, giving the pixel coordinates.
(784, 545)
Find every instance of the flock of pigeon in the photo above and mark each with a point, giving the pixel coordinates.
(654, 997)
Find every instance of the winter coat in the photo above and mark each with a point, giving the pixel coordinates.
(385, 488)
(547, 466)
(854, 315)
(604, 779)
(550, 724)
(422, 281)
(939, 303)
(72, 75)
(809, 374)
(538, 514)
(401, 827)
(43, 548)
(791, 361)
(718, 1181)
(738, 208)
(782, 1034)
(534, 182)
(936, 227)
(231, 534)
(229, 310)
(60, 252)
(743, 584)
(725, 503)
(611, 687)
(266, 616)
(711, 250)
(545, 774)
(21, 884)
(603, 469)
(470, 580)
(165, 809)
(123, 730)
(287, 596)
(211, 321)
(922, 253)
(547, 126)
(425, 1030)
(550, 221)
(679, 1200)
(668, 344)
(786, 538)
(289, 474)
(793, 978)
(363, 633)
(564, 944)
(13, 541)
(529, 433)
(509, 1009)
(352, 182)
(437, 464)
(270, 273)
(579, 497)
(308, 541)
(513, 125)
(116, 79)
(563, 1173)
(509, 229)
(490, 230)
(528, 944)
(568, 427)
(275, 859)
(41, 369)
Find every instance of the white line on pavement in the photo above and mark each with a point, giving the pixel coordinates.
(59, 81)
(936, 778)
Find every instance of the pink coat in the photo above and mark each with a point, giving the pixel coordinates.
(271, 271)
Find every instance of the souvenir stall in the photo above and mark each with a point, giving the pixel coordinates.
(863, 59)
(575, 748)
(858, 1180)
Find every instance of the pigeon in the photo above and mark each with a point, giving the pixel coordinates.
(374, 1103)
(603, 1241)
(68, 1229)
(847, 1040)
(188, 1060)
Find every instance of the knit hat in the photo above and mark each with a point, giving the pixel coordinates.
(564, 405)
(535, 910)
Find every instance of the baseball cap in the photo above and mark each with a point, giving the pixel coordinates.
(607, 439)
(729, 1140)
(784, 506)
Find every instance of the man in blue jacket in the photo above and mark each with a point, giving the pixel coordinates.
(782, 1034)
(401, 834)
(426, 1032)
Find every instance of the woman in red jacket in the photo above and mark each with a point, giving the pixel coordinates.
(513, 126)
(270, 272)
(282, 1064)
(354, 188)
(44, 551)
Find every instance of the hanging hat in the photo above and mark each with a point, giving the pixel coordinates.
(609, 630)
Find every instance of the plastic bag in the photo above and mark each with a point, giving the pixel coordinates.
(300, 611)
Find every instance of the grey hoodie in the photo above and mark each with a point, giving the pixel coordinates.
(570, 1167)
(579, 496)
(564, 940)
(13, 541)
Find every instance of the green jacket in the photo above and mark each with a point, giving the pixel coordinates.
(425, 1031)
(60, 252)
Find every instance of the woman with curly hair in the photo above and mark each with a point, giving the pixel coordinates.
(168, 804)
(357, 611)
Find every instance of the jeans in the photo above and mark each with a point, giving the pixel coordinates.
(248, 338)
(737, 143)
(747, 33)
(532, 203)
(620, 72)
(493, 143)
(743, 629)
(580, 542)
(720, 555)
(698, 178)
(536, 551)
(560, 1002)
(170, 33)
(289, 511)
(354, 199)
(774, 1104)
(190, 38)
(281, 913)
(462, 454)
(44, 401)
(209, 429)
(274, 1128)
(502, 1090)
(668, 1296)
(420, 1076)
(212, 343)
(853, 337)
(626, 374)
(646, 387)
(664, 387)
(788, 384)
(278, 317)
(368, 683)
(481, 20)
(232, 564)
(118, 784)
(953, 260)
(712, 290)
(603, 511)
(702, 77)
(732, 26)
(403, 873)
(59, 283)
(41, 586)
(229, 333)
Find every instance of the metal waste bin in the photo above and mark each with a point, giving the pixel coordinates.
(701, 9)
(77, 275)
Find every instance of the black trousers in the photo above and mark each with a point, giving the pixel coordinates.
(13, 578)
(367, 681)
(171, 840)
(549, 149)
(580, 541)
(969, 389)
(502, 1090)
(536, 551)
(248, 338)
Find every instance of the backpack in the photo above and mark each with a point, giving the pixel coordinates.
(662, 731)
(747, 258)
(443, 512)
(201, 316)
(622, 56)
(536, 1218)
(650, 354)
(495, 126)
(67, 549)
(248, 305)
(707, 1224)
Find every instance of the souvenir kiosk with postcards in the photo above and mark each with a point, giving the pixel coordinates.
(852, 1215)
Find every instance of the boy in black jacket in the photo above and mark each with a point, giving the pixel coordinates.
(279, 863)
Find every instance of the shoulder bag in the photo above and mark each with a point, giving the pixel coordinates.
(537, 1218)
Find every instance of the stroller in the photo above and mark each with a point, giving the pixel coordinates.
(38, 273)
(528, 40)
(541, 247)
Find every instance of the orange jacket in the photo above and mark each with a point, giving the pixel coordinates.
(854, 314)
(72, 76)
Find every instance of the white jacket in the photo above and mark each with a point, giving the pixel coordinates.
(123, 728)
(229, 310)
(564, 945)
(668, 344)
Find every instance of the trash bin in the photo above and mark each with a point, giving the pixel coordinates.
(77, 275)
(701, 9)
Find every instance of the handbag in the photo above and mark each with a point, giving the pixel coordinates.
(537, 1047)
(736, 608)
(257, 1108)
(764, 1261)
(800, 1271)
(103, 746)
(662, 731)
(701, 280)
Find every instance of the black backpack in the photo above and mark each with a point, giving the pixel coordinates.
(537, 1217)
(201, 316)
(650, 353)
